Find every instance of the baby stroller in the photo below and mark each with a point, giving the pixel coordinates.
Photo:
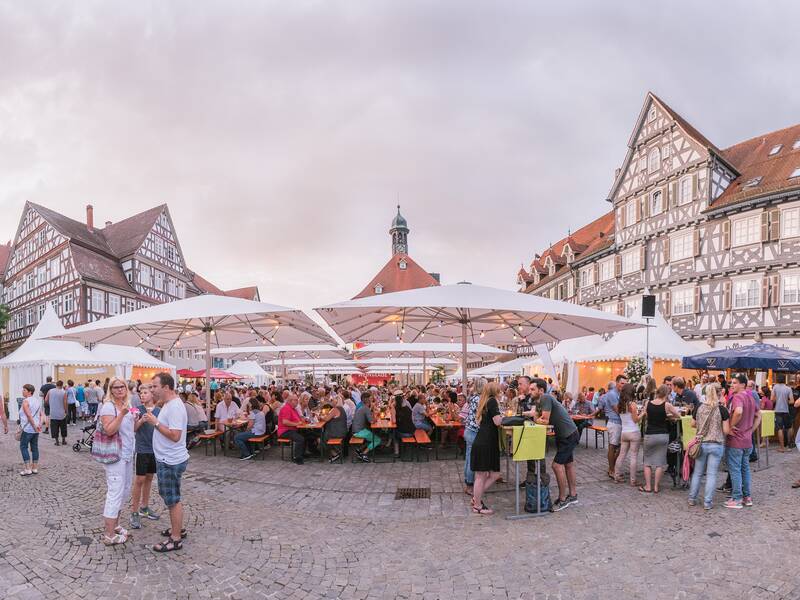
(86, 439)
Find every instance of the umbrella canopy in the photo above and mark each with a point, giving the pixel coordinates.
(500, 369)
(431, 349)
(215, 374)
(293, 362)
(756, 356)
(399, 360)
(474, 313)
(293, 351)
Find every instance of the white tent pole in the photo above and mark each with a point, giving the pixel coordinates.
(424, 372)
(208, 371)
(464, 357)
(283, 364)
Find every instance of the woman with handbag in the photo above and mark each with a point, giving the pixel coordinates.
(656, 438)
(114, 447)
(712, 422)
(30, 426)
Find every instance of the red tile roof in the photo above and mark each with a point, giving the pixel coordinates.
(124, 237)
(5, 252)
(752, 160)
(99, 268)
(205, 286)
(247, 293)
(394, 279)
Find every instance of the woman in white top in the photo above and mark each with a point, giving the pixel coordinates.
(631, 435)
(30, 421)
(116, 417)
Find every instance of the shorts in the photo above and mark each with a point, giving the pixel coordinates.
(614, 433)
(169, 482)
(565, 447)
(145, 464)
(783, 421)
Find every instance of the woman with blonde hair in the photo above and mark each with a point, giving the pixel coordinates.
(116, 419)
(485, 453)
(712, 421)
(656, 438)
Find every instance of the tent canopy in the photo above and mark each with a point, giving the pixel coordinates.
(755, 356)
(130, 355)
(291, 351)
(250, 368)
(431, 349)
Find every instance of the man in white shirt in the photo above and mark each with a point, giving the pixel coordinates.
(226, 409)
(700, 388)
(172, 457)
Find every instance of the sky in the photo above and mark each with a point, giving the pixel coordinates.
(283, 134)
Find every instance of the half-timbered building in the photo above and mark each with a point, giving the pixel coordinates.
(713, 233)
(88, 273)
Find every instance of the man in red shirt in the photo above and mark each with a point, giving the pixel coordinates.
(288, 422)
(745, 417)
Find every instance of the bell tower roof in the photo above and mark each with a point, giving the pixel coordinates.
(399, 221)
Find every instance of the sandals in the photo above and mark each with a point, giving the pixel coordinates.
(121, 531)
(641, 489)
(169, 545)
(482, 509)
(115, 540)
(795, 485)
(168, 533)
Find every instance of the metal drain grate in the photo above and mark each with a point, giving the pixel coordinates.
(412, 493)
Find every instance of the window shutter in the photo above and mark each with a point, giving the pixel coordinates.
(726, 295)
(775, 224)
(674, 192)
(665, 198)
(697, 293)
(694, 186)
(638, 202)
(667, 308)
(620, 308)
(765, 292)
(643, 257)
(726, 235)
(596, 273)
(617, 265)
(646, 205)
(765, 226)
(696, 242)
(665, 249)
(776, 290)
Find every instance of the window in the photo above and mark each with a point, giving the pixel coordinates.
(402, 264)
(790, 222)
(795, 173)
(654, 160)
(609, 308)
(681, 246)
(40, 310)
(630, 261)
(171, 286)
(745, 293)
(98, 301)
(181, 290)
(31, 316)
(682, 301)
(656, 204)
(171, 252)
(130, 305)
(41, 274)
(630, 213)
(685, 191)
(607, 269)
(69, 305)
(633, 307)
(643, 163)
(41, 238)
(651, 115)
(746, 231)
(791, 289)
(796, 145)
(159, 280)
(113, 304)
(159, 246)
(753, 182)
(144, 275)
(587, 276)
(775, 149)
(55, 267)
(379, 289)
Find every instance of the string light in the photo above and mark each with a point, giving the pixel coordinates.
(482, 334)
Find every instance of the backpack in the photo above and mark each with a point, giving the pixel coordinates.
(530, 497)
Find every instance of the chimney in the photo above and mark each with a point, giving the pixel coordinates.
(108, 223)
(89, 217)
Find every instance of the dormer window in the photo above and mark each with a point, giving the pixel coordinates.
(795, 173)
(775, 149)
(796, 145)
(379, 289)
(753, 182)
(403, 264)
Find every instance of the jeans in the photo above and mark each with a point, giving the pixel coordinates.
(241, 441)
(92, 408)
(373, 441)
(32, 440)
(469, 438)
(72, 413)
(739, 468)
(707, 461)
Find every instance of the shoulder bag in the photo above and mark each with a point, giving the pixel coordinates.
(18, 432)
(106, 448)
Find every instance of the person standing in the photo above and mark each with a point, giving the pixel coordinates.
(145, 458)
(485, 453)
(30, 422)
(80, 398)
(116, 419)
(608, 403)
(72, 403)
(172, 457)
(56, 400)
(48, 385)
(94, 396)
(656, 438)
(631, 435)
(471, 429)
(745, 417)
(781, 397)
(711, 421)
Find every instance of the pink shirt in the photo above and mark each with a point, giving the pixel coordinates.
(743, 436)
(290, 414)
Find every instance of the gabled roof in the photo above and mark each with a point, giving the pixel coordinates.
(394, 279)
(686, 126)
(99, 268)
(752, 160)
(75, 230)
(248, 293)
(126, 236)
(205, 286)
(5, 253)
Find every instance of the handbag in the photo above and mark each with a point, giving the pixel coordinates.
(515, 421)
(18, 432)
(106, 448)
(693, 448)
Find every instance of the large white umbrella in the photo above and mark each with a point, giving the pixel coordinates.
(474, 313)
(204, 322)
(303, 350)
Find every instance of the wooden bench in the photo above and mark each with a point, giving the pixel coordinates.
(209, 438)
(261, 441)
(599, 432)
(423, 440)
(336, 443)
(283, 442)
(408, 442)
(355, 442)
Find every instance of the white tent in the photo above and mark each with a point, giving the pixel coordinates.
(125, 358)
(502, 369)
(251, 369)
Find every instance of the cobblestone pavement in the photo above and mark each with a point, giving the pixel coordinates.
(270, 529)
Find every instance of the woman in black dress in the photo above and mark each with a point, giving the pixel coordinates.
(485, 455)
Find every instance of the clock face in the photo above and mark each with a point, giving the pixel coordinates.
(401, 248)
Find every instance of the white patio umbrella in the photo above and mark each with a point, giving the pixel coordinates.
(474, 313)
(297, 350)
(204, 322)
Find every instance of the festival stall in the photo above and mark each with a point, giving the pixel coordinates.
(252, 371)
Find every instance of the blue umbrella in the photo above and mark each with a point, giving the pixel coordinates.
(756, 356)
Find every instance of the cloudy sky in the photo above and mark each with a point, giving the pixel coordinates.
(282, 134)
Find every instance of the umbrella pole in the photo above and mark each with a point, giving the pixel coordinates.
(424, 370)
(464, 357)
(283, 364)
(208, 372)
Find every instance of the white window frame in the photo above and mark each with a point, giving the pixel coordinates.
(682, 301)
(69, 305)
(681, 246)
(171, 254)
(606, 269)
(790, 288)
(54, 265)
(41, 274)
(775, 149)
(158, 280)
(653, 165)
(587, 276)
(685, 190)
(379, 289)
(402, 265)
(609, 307)
(633, 307)
(631, 261)
(98, 299)
(159, 246)
(651, 199)
(114, 304)
(746, 293)
(630, 213)
(145, 275)
(790, 227)
(746, 231)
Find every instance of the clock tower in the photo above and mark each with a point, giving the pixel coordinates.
(399, 233)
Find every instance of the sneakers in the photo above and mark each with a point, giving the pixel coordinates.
(559, 505)
(570, 500)
(363, 457)
(136, 521)
(334, 458)
(733, 504)
(148, 513)
(692, 502)
(747, 501)
(248, 457)
(26, 472)
(706, 507)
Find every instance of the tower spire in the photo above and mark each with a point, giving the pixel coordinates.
(399, 232)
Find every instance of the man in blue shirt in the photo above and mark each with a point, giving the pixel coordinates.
(609, 404)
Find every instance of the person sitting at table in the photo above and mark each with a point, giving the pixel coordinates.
(256, 426)
(227, 409)
(348, 405)
(362, 419)
(581, 407)
(403, 420)
(420, 414)
(288, 422)
(334, 424)
(303, 405)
